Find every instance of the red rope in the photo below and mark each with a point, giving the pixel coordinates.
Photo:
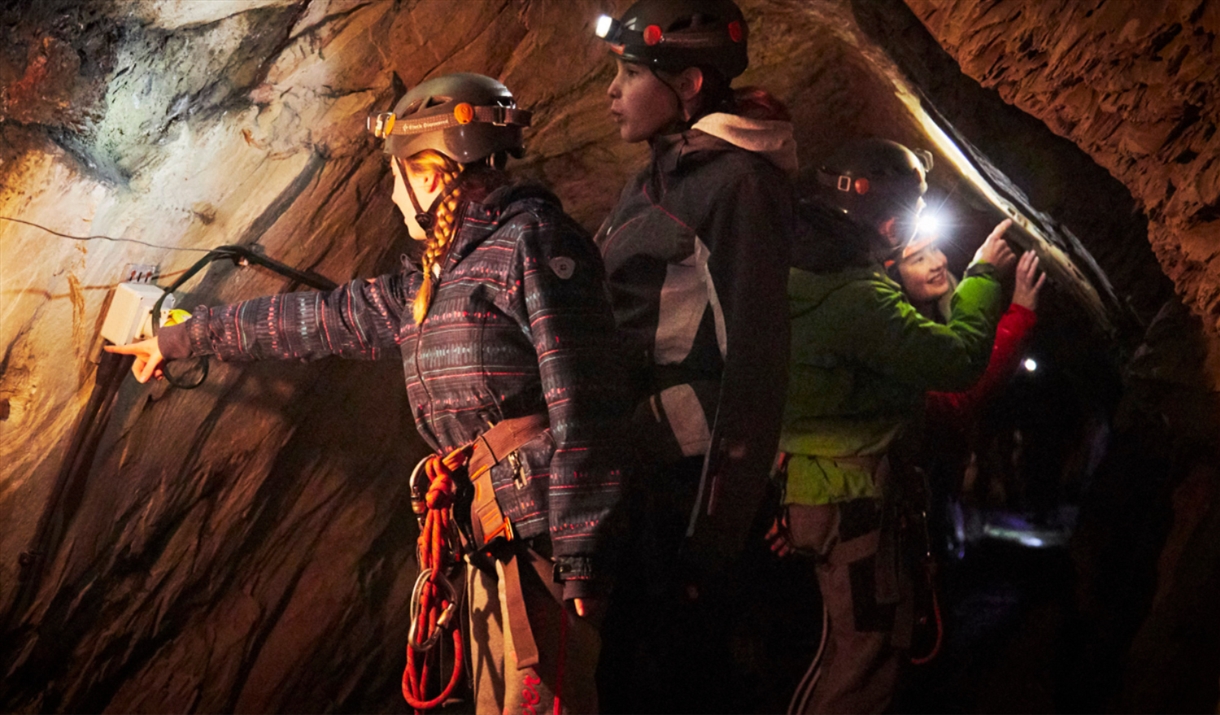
(563, 656)
(433, 551)
(940, 627)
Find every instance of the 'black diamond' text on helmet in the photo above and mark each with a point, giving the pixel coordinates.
(467, 117)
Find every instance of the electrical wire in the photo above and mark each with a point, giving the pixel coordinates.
(242, 256)
(104, 238)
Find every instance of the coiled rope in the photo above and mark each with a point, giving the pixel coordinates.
(434, 601)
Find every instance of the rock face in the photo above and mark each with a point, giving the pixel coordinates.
(1132, 84)
(249, 545)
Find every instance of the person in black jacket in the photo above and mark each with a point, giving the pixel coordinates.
(505, 323)
(696, 256)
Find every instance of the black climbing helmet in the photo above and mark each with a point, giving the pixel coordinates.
(873, 180)
(675, 34)
(467, 117)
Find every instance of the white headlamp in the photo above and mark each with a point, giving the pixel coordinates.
(604, 24)
(608, 29)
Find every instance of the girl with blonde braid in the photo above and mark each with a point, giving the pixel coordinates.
(422, 164)
(507, 341)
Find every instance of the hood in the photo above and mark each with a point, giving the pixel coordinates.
(808, 290)
(828, 240)
(769, 138)
(493, 199)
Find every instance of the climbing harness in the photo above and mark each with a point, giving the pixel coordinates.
(439, 485)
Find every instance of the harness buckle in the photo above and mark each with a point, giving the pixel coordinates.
(844, 183)
(519, 472)
(382, 124)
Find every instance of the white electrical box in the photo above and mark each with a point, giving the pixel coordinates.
(130, 316)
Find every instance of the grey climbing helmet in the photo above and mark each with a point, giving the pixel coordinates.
(467, 117)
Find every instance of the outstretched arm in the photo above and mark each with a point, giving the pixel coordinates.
(358, 320)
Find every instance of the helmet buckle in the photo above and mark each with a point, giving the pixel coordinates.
(844, 183)
(382, 124)
(499, 116)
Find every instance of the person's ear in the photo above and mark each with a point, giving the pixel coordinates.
(690, 83)
(432, 181)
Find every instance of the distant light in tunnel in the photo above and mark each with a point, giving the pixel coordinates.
(1031, 541)
(1030, 364)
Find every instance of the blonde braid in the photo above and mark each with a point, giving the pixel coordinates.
(450, 171)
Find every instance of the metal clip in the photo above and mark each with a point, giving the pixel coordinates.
(844, 183)
(519, 471)
(499, 116)
(382, 124)
(419, 491)
(450, 596)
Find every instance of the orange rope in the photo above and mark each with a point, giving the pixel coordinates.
(436, 555)
(940, 624)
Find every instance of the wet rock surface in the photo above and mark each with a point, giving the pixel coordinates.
(249, 545)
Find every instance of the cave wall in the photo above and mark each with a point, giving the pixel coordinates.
(1132, 84)
(248, 545)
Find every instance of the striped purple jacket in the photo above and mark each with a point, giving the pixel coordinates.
(519, 324)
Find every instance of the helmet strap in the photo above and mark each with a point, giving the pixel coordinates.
(685, 122)
(425, 219)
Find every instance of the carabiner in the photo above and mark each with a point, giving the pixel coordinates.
(442, 621)
(419, 491)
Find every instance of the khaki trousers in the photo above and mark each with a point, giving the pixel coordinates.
(856, 669)
(568, 645)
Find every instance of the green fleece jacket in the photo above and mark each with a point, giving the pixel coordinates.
(862, 359)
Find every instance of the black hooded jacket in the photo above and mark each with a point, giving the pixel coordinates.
(696, 255)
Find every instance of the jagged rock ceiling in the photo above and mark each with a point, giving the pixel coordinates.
(1133, 84)
(248, 545)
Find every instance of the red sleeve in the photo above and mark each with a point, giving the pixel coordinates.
(1010, 339)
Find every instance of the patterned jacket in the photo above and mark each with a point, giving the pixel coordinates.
(696, 256)
(519, 324)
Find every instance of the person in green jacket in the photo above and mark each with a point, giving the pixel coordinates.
(862, 359)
